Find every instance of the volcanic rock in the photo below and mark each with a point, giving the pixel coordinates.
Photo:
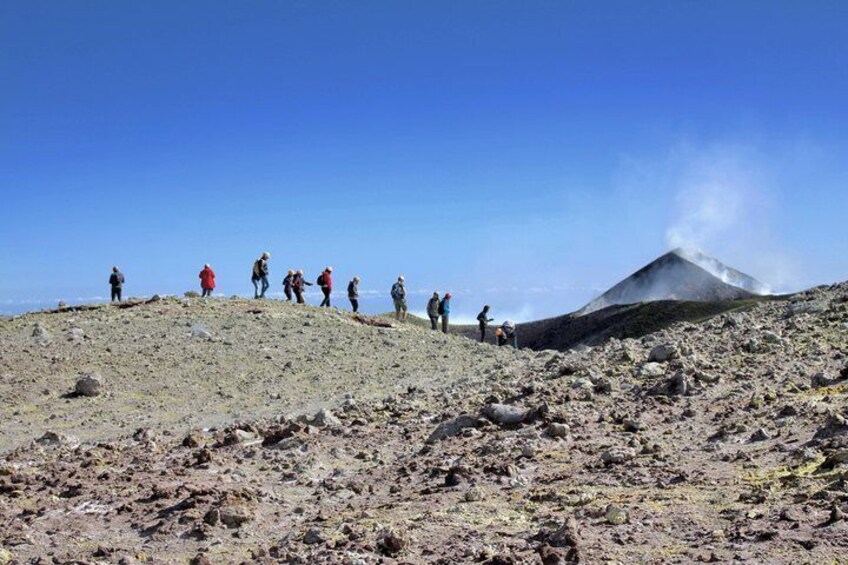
(454, 427)
(662, 353)
(505, 414)
(618, 455)
(89, 385)
(392, 542)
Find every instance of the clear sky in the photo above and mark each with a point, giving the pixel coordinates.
(524, 154)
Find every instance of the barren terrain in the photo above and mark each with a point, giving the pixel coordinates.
(721, 441)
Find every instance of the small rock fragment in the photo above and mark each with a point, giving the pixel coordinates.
(615, 515)
(325, 419)
(618, 455)
(391, 542)
(235, 516)
(556, 429)
(89, 385)
(505, 414)
(663, 353)
(313, 536)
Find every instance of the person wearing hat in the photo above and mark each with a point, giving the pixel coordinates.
(287, 285)
(116, 281)
(433, 311)
(325, 281)
(299, 283)
(444, 311)
(207, 280)
(506, 333)
(353, 294)
(260, 275)
(399, 298)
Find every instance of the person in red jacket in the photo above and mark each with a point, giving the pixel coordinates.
(207, 280)
(325, 281)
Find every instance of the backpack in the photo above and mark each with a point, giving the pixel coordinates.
(442, 308)
(397, 293)
(257, 268)
(320, 280)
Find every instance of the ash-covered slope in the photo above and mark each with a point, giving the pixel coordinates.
(679, 275)
(188, 363)
(626, 321)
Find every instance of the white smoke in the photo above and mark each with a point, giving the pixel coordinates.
(716, 195)
(722, 272)
(722, 203)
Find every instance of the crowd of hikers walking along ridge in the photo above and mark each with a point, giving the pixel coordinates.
(295, 283)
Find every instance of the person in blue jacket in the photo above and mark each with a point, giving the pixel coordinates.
(444, 311)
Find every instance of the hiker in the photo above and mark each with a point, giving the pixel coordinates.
(116, 280)
(444, 311)
(399, 298)
(506, 333)
(353, 294)
(260, 275)
(299, 283)
(287, 285)
(325, 281)
(207, 280)
(484, 319)
(433, 311)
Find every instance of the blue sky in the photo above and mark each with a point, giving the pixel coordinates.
(526, 155)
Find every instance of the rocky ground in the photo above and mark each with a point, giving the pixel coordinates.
(717, 442)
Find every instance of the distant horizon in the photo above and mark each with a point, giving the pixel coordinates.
(377, 301)
(470, 146)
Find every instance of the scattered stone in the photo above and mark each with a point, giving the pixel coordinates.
(203, 456)
(200, 559)
(816, 307)
(200, 332)
(652, 369)
(760, 435)
(753, 346)
(615, 515)
(836, 458)
(556, 429)
(505, 414)
(239, 436)
(76, 335)
(771, 337)
(56, 439)
(235, 516)
(313, 536)
(707, 378)
(89, 385)
(678, 385)
(631, 425)
(212, 517)
(618, 455)
(192, 440)
(474, 495)
(836, 515)
(835, 425)
(566, 536)
(391, 542)
(41, 334)
(662, 353)
(822, 380)
(325, 419)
